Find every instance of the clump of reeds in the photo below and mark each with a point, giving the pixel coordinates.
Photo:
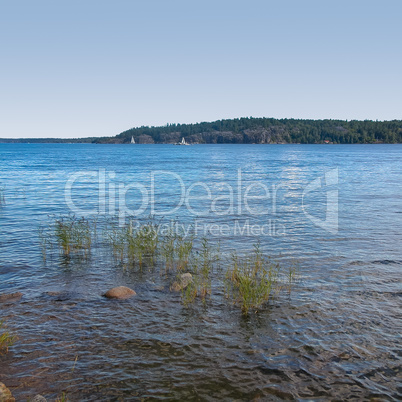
(190, 292)
(115, 236)
(143, 242)
(168, 249)
(200, 287)
(252, 280)
(73, 235)
(202, 266)
(6, 339)
(292, 276)
(249, 281)
(133, 245)
(183, 250)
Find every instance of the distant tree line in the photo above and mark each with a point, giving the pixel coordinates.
(249, 130)
(47, 140)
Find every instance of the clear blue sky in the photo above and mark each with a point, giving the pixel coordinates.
(95, 68)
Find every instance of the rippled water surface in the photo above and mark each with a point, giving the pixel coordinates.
(336, 337)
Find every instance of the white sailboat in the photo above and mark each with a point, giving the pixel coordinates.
(132, 140)
(182, 142)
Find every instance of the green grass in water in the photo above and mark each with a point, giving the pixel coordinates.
(6, 339)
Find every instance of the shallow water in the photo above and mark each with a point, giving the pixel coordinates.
(336, 337)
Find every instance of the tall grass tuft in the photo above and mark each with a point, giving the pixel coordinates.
(115, 237)
(133, 245)
(292, 276)
(252, 281)
(145, 240)
(202, 266)
(62, 398)
(168, 249)
(6, 339)
(190, 292)
(183, 250)
(73, 235)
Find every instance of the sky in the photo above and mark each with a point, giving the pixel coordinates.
(89, 68)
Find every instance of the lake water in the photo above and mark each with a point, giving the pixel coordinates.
(335, 209)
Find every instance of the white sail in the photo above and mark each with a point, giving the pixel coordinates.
(132, 140)
(182, 142)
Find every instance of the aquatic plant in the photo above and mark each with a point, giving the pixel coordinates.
(6, 339)
(252, 280)
(145, 241)
(133, 244)
(183, 250)
(73, 234)
(62, 398)
(168, 249)
(248, 281)
(207, 256)
(115, 236)
(293, 276)
(202, 266)
(189, 293)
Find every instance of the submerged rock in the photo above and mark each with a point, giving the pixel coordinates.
(10, 296)
(185, 280)
(120, 292)
(5, 394)
(38, 398)
(175, 287)
(62, 295)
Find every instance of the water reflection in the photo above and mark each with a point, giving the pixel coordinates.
(334, 338)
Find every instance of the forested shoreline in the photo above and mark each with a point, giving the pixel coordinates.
(250, 130)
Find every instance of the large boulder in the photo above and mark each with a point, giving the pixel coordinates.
(185, 280)
(5, 394)
(120, 292)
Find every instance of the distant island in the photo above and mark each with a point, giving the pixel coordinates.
(251, 130)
